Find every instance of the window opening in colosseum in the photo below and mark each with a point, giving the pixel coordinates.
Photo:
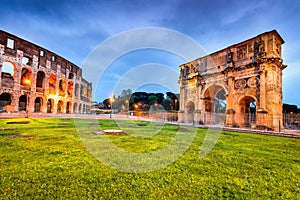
(75, 108)
(79, 109)
(26, 61)
(53, 58)
(71, 68)
(84, 91)
(70, 88)
(62, 84)
(37, 104)
(7, 75)
(50, 103)
(81, 91)
(10, 43)
(42, 53)
(84, 109)
(62, 87)
(71, 75)
(68, 108)
(60, 106)
(76, 89)
(26, 75)
(5, 100)
(23, 103)
(40, 79)
(52, 81)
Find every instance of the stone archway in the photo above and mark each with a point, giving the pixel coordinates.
(38, 102)
(69, 107)
(40, 79)
(50, 105)
(214, 104)
(79, 109)
(75, 108)
(189, 115)
(60, 105)
(246, 114)
(240, 85)
(23, 103)
(5, 100)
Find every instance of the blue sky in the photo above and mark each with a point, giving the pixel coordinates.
(73, 29)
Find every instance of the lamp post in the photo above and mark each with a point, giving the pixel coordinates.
(27, 83)
(175, 102)
(111, 101)
(127, 107)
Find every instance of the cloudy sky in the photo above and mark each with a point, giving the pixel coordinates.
(78, 30)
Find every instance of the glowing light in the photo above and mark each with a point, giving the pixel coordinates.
(27, 81)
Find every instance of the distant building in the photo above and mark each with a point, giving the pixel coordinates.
(34, 79)
(239, 86)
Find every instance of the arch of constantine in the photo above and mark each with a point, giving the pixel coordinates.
(34, 79)
(239, 86)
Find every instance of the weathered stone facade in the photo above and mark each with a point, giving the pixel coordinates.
(48, 82)
(239, 86)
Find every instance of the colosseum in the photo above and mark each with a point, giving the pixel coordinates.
(36, 80)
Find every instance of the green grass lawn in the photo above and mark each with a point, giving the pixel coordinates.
(48, 160)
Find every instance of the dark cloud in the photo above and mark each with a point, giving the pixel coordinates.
(73, 28)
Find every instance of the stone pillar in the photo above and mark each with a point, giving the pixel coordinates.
(229, 107)
(202, 113)
(262, 91)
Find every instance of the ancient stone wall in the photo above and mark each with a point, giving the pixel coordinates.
(240, 85)
(34, 79)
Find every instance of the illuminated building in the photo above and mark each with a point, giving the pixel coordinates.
(34, 79)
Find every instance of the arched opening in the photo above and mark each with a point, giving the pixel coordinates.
(247, 112)
(75, 108)
(5, 99)
(190, 108)
(8, 68)
(52, 81)
(23, 103)
(79, 109)
(71, 75)
(50, 103)
(52, 84)
(60, 106)
(26, 75)
(70, 88)
(40, 80)
(38, 104)
(215, 102)
(7, 74)
(76, 89)
(68, 108)
(62, 87)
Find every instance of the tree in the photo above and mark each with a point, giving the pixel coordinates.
(152, 99)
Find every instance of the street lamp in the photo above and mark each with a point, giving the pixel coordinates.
(175, 102)
(127, 107)
(111, 101)
(27, 82)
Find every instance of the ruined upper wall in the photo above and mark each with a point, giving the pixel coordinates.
(265, 45)
(13, 43)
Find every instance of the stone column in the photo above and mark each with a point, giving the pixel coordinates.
(262, 91)
(229, 99)
(261, 110)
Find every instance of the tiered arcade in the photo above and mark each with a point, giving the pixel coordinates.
(34, 79)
